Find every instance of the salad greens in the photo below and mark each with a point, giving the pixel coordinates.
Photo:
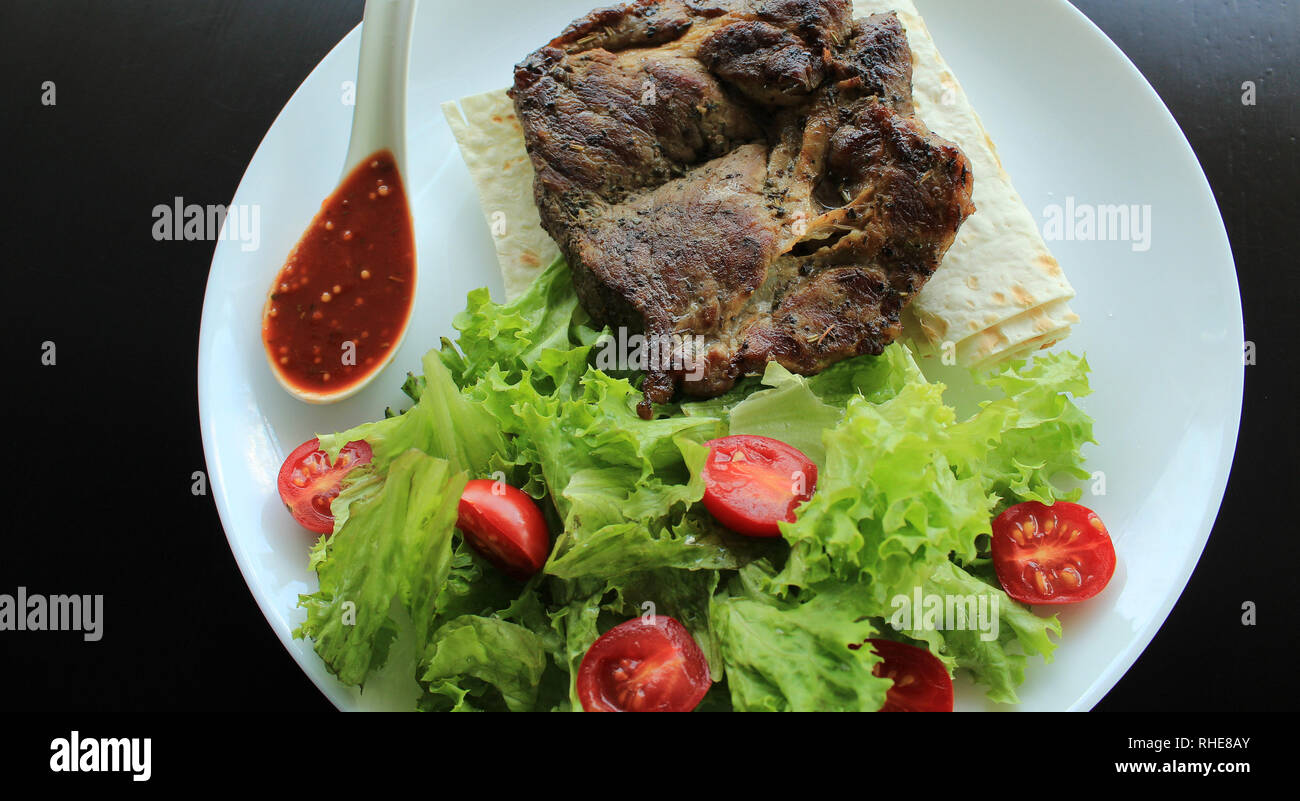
(905, 496)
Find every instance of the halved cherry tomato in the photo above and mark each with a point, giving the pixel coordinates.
(752, 483)
(308, 482)
(921, 682)
(1058, 554)
(505, 527)
(650, 664)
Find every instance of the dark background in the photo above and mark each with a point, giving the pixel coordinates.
(171, 97)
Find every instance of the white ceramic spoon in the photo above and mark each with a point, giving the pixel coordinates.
(379, 119)
(378, 123)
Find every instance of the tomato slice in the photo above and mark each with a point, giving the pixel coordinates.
(752, 483)
(505, 527)
(921, 682)
(1059, 554)
(650, 664)
(308, 482)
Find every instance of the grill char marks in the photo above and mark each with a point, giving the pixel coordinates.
(878, 61)
(748, 172)
(713, 226)
(599, 127)
(645, 23)
(863, 261)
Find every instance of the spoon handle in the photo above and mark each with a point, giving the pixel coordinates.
(379, 118)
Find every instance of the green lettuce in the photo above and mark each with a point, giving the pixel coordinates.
(790, 411)
(620, 486)
(794, 655)
(444, 423)
(511, 338)
(1018, 444)
(471, 654)
(395, 546)
(888, 498)
(999, 663)
(906, 492)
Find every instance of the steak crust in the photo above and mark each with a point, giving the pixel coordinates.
(747, 177)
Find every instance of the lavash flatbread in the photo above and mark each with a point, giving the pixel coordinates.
(492, 143)
(998, 294)
(999, 291)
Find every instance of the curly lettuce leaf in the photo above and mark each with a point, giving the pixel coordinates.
(888, 498)
(907, 494)
(1019, 443)
(396, 544)
(876, 378)
(620, 485)
(576, 620)
(793, 655)
(789, 411)
(444, 423)
(996, 654)
(512, 337)
(473, 661)
(619, 522)
(798, 410)
(473, 587)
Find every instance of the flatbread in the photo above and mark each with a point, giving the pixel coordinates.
(999, 293)
(492, 143)
(999, 290)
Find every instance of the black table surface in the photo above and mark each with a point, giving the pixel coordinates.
(160, 98)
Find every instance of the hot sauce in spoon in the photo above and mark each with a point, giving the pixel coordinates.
(340, 305)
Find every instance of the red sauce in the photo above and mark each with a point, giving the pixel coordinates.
(342, 299)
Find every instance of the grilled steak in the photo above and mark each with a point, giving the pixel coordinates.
(741, 180)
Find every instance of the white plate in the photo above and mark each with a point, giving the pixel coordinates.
(1072, 118)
